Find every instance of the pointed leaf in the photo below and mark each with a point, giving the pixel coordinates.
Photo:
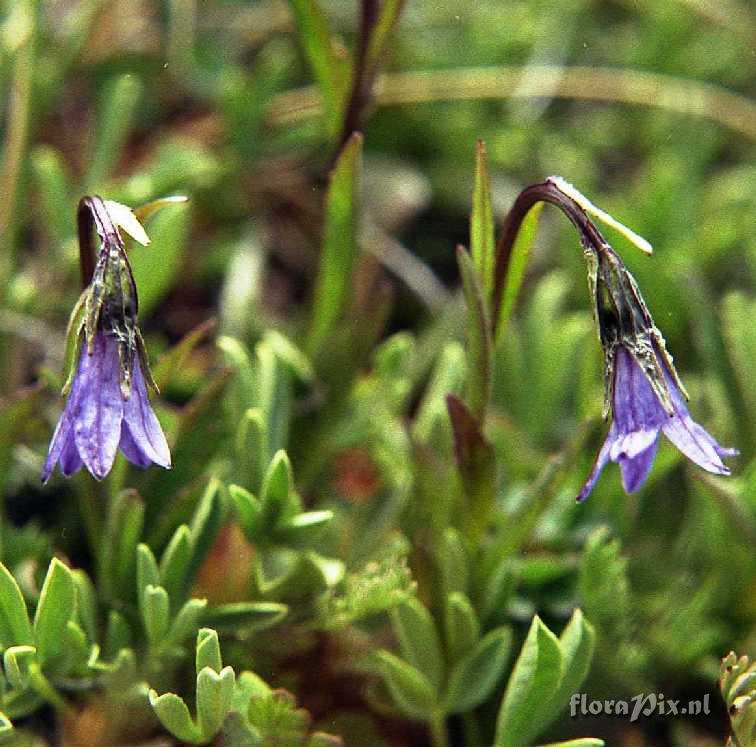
(461, 625)
(475, 676)
(57, 604)
(418, 639)
(339, 251)
(155, 613)
(187, 621)
(410, 689)
(175, 563)
(479, 345)
(15, 628)
(534, 680)
(516, 265)
(482, 223)
(208, 651)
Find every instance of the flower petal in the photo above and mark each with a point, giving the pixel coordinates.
(59, 440)
(131, 450)
(601, 459)
(70, 461)
(635, 469)
(696, 443)
(635, 407)
(142, 424)
(97, 429)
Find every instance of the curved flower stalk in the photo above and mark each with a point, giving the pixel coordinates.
(108, 406)
(643, 393)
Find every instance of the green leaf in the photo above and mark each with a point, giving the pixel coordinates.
(453, 561)
(576, 643)
(461, 625)
(339, 250)
(418, 639)
(157, 267)
(208, 651)
(275, 495)
(86, 603)
(409, 688)
(475, 675)
(248, 510)
(205, 526)
(479, 345)
(245, 616)
(476, 462)
(303, 530)
(119, 102)
(581, 742)
(482, 242)
(534, 679)
(57, 604)
(251, 444)
(175, 563)
(330, 65)
(517, 263)
(155, 613)
(187, 620)
(215, 692)
(148, 573)
(174, 716)
(15, 628)
(118, 634)
(174, 359)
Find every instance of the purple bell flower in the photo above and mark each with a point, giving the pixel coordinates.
(98, 418)
(637, 417)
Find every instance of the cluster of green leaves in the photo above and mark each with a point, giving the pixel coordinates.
(371, 501)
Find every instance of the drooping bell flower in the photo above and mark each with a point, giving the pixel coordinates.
(642, 389)
(108, 406)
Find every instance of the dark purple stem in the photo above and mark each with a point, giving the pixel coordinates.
(363, 77)
(544, 192)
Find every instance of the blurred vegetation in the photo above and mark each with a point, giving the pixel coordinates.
(342, 549)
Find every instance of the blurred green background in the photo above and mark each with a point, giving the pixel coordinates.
(328, 321)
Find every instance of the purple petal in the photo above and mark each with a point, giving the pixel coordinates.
(690, 438)
(70, 461)
(696, 443)
(635, 469)
(97, 429)
(142, 425)
(601, 459)
(60, 438)
(635, 407)
(130, 450)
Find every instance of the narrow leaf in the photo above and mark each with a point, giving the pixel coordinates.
(57, 604)
(461, 624)
(517, 263)
(536, 676)
(410, 689)
(479, 346)
(482, 223)
(418, 639)
(339, 250)
(475, 676)
(15, 628)
(174, 716)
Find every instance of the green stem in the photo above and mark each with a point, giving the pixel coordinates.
(437, 726)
